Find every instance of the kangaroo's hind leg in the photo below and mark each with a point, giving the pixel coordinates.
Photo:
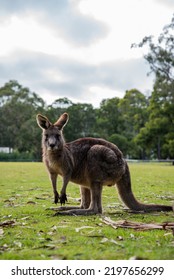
(85, 197)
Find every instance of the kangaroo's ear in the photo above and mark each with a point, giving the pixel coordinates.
(62, 121)
(43, 122)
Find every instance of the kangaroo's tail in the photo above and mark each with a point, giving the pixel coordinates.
(127, 196)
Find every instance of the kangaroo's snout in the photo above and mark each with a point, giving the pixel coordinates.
(52, 146)
(52, 143)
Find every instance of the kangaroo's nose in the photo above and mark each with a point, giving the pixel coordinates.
(52, 146)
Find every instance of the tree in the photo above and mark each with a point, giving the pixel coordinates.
(58, 107)
(18, 109)
(133, 111)
(159, 130)
(108, 118)
(161, 53)
(82, 117)
(82, 121)
(121, 141)
(157, 135)
(133, 107)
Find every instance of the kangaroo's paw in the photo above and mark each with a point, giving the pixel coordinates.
(63, 198)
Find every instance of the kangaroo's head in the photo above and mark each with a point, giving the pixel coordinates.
(52, 133)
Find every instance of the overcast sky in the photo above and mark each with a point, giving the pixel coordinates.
(79, 49)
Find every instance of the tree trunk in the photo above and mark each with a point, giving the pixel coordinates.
(159, 148)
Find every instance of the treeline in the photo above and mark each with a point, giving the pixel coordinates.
(141, 126)
(126, 121)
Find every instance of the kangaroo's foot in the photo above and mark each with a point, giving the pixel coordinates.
(77, 212)
(63, 208)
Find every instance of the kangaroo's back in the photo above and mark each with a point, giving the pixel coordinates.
(93, 157)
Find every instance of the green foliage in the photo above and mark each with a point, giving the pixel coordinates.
(32, 232)
(18, 108)
(133, 108)
(136, 124)
(156, 137)
(82, 121)
(161, 52)
(157, 133)
(17, 156)
(108, 117)
(114, 120)
(121, 141)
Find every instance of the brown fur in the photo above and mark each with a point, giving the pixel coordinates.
(89, 162)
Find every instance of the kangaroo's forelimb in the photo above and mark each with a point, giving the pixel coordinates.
(53, 178)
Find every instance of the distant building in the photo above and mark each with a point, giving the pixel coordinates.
(6, 150)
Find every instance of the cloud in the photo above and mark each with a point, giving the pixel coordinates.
(65, 55)
(62, 17)
(56, 77)
(168, 3)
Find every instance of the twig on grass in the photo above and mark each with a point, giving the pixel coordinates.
(137, 225)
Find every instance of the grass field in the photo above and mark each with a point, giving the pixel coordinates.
(30, 231)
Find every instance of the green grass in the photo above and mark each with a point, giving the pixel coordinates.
(25, 199)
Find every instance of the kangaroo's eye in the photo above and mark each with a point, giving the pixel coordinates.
(57, 136)
(46, 137)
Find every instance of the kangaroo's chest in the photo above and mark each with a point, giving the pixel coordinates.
(54, 165)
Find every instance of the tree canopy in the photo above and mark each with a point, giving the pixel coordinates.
(157, 136)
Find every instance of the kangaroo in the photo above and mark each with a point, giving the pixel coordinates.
(89, 162)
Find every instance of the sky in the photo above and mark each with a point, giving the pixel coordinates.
(79, 49)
